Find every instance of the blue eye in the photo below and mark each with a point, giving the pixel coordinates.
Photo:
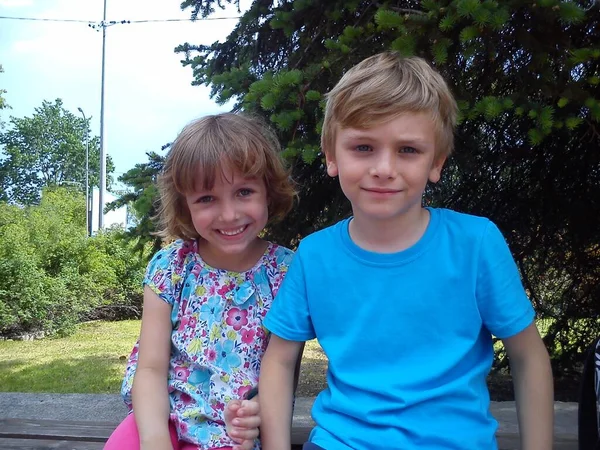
(408, 150)
(205, 199)
(363, 148)
(245, 192)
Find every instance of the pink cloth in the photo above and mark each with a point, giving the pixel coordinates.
(126, 437)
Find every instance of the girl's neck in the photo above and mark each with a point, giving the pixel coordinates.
(389, 236)
(240, 262)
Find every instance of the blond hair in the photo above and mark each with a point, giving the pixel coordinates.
(198, 156)
(383, 87)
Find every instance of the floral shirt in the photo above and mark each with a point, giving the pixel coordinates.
(217, 340)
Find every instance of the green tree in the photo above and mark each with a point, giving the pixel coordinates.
(3, 104)
(52, 275)
(141, 199)
(527, 77)
(47, 149)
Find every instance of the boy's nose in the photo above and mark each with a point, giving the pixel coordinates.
(385, 166)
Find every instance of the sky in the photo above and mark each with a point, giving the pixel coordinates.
(148, 93)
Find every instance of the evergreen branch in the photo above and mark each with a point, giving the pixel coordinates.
(402, 10)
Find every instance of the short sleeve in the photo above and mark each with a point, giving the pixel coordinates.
(289, 316)
(503, 304)
(282, 259)
(164, 273)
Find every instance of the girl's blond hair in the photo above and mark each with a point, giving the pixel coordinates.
(197, 158)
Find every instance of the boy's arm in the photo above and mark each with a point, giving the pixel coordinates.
(276, 387)
(532, 379)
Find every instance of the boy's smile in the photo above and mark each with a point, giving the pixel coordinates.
(383, 170)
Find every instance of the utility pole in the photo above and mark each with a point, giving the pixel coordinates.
(102, 190)
(87, 172)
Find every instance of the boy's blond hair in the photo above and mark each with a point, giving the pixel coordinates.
(384, 86)
(198, 156)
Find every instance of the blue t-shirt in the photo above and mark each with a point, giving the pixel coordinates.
(408, 335)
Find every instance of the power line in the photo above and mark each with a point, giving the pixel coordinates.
(114, 22)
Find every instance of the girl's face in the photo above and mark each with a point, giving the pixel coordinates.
(229, 218)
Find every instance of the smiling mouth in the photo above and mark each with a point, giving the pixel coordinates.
(381, 191)
(233, 232)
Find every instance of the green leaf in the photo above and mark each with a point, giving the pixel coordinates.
(387, 19)
(313, 95)
(430, 5)
(467, 8)
(284, 120)
(440, 50)
(482, 16)
(268, 102)
(508, 103)
(562, 102)
(309, 154)
(499, 18)
(406, 45)
(580, 55)
(447, 22)
(573, 122)
(545, 118)
(468, 33)
(570, 12)
(535, 136)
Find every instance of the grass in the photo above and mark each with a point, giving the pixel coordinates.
(92, 361)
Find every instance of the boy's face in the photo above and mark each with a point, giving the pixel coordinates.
(383, 170)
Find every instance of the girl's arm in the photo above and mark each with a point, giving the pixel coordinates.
(276, 392)
(149, 393)
(532, 379)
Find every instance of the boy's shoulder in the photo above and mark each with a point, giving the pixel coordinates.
(461, 224)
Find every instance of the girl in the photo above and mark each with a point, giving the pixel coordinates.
(207, 293)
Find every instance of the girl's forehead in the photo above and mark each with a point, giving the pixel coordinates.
(224, 176)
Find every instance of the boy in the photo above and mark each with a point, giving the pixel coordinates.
(403, 299)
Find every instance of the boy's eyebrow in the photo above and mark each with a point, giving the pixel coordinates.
(368, 134)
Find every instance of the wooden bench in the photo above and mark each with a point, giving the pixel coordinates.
(24, 434)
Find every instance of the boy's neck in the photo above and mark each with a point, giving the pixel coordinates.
(391, 235)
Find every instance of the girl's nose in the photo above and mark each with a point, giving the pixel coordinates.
(228, 212)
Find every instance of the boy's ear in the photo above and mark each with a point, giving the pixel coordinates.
(332, 169)
(436, 169)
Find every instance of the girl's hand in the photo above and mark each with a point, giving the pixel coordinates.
(242, 420)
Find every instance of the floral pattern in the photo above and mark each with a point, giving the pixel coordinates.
(217, 340)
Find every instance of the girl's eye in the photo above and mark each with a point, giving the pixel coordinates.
(363, 148)
(245, 192)
(408, 150)
(205, 199)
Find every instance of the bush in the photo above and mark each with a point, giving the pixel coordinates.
(52, 276)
